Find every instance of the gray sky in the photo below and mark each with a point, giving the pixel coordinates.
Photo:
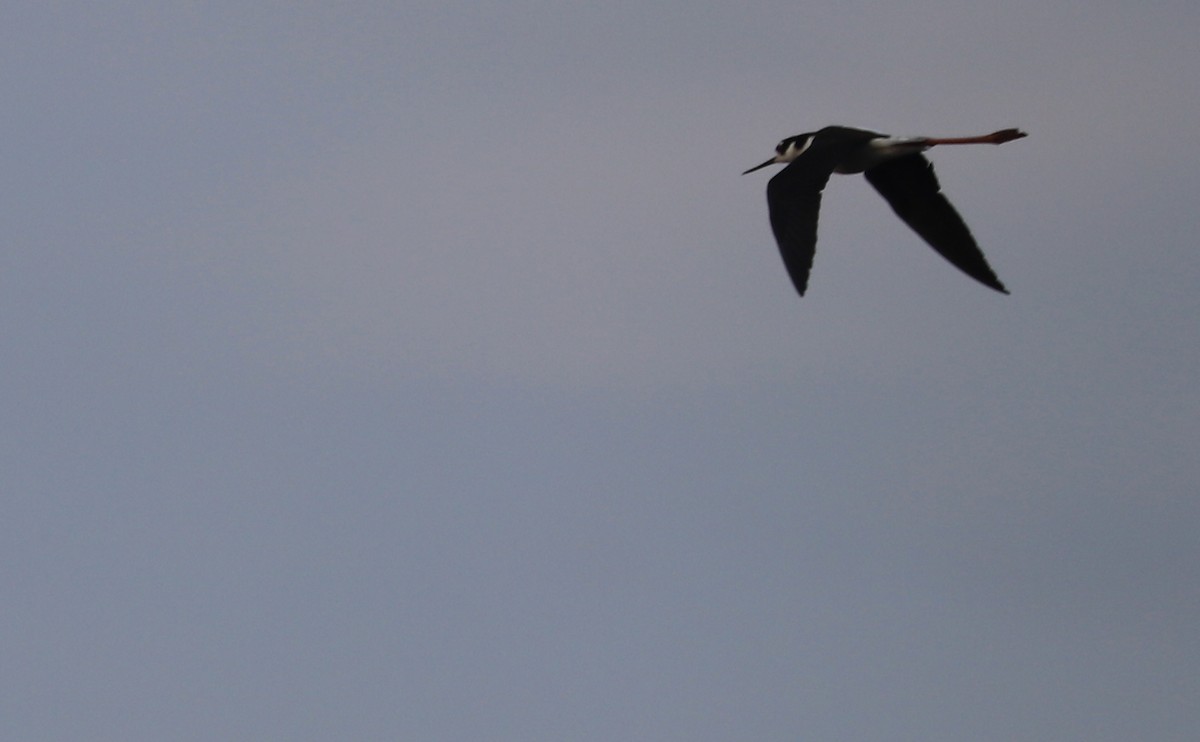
(427, 371)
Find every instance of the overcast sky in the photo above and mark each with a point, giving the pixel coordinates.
(427, 371)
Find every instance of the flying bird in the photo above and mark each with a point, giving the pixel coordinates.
(895, 167)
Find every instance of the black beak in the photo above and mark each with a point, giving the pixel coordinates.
(760, 167)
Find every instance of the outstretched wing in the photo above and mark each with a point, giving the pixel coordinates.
(909, 185)
(794, 197)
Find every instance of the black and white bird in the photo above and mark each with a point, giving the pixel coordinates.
(895, 167)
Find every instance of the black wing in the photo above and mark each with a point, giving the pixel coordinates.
(909, 185)
(794, 197)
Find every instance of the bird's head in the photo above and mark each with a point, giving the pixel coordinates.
(787, 150)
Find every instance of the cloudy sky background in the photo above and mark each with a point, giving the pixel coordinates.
(427, 371)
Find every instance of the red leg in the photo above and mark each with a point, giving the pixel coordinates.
(996, 137)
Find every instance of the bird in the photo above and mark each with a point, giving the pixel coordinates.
(896, 167)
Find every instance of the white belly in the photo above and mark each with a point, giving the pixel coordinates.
(878, 151)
